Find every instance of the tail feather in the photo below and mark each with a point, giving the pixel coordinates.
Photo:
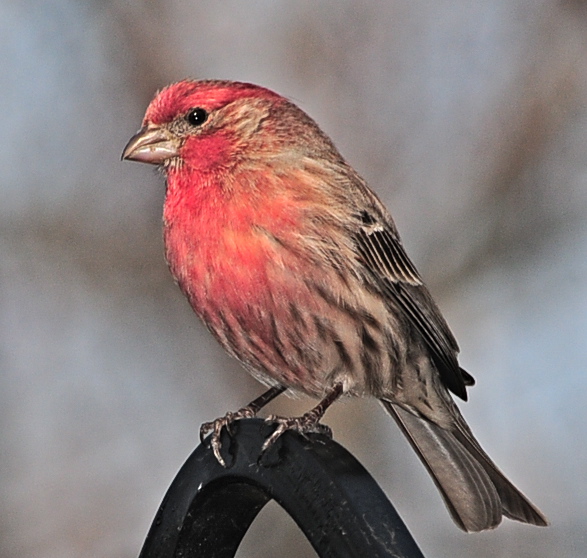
(476, 493)
(514, 504)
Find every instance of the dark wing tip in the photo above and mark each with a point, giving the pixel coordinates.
(458, 381)
(454, 380)
(468, 380)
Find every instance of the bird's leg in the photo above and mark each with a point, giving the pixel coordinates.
(308, 422)
(249, 411)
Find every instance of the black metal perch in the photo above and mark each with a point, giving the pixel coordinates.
(335, 502)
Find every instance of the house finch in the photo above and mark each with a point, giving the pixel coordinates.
(297, 269)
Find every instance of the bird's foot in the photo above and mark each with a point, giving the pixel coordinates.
(306, 424)
(250, 411)
(215, 427)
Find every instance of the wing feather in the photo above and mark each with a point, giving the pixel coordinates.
(386, 260)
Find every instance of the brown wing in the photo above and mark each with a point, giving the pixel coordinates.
(385, 258)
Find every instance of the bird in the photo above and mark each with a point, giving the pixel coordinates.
(296, 267)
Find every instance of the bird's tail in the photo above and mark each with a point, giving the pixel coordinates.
(475, 491)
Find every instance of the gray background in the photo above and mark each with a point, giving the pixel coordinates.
(468, 118)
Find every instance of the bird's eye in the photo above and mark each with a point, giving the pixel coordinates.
(197, 116)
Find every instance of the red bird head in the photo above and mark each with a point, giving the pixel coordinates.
(212, 125)
(199, 123)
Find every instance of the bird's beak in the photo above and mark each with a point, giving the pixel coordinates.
(151, 144)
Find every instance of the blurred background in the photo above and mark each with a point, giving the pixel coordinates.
(470, 121)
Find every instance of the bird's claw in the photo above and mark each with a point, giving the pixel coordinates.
(306, 424)
(215, 427)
